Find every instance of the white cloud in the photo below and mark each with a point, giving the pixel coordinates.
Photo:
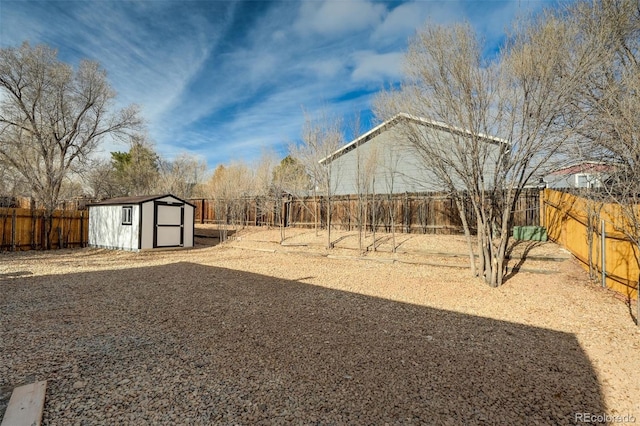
(279, 36)
(377, 67)
(327, 68)
(401, 22)
(333, 18)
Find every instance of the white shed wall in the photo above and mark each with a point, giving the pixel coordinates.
(167, 234)
(168, 237)
(147, 225)
(189, 216)
(169, 215)
(107, 231)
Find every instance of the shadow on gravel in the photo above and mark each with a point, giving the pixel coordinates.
(188, 343)
(528, 246)
(15, 274)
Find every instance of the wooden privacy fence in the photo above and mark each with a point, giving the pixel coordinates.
(434, 213)
(595, 233)
(25, 229)
(246, 211)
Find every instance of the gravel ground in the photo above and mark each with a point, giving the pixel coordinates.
(254, 332)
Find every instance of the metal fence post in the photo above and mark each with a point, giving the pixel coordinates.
(603, 246)
(542, 212)
(13, 230)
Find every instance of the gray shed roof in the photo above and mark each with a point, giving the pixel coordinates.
(135, 200)
(411, 118)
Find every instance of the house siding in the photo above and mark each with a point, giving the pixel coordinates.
(575, 180)
(399, 167)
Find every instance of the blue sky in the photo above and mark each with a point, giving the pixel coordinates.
(230, 80)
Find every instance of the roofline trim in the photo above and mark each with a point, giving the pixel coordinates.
(141, 201)
(404, 116)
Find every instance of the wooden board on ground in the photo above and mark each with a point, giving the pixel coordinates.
(26, 405)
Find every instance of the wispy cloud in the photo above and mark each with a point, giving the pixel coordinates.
(376, 67)
(229, 80)
(330, 18)
(401, 22)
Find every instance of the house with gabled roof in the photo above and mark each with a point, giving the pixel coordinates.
(586, 174)
(398, 166)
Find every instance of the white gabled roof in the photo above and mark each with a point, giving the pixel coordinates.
(418, 120)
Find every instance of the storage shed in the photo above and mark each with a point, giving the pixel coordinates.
(144, 222)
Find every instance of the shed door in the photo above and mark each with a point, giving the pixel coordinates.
(168, 225)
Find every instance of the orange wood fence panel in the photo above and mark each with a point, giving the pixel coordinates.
(25, 229)
(576, 224)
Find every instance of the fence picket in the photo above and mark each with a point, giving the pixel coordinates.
(420, 213)
(26, 229)
(567, 219)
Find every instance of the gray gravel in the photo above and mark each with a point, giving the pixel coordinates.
(189, 343)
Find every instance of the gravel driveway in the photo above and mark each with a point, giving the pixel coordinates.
(233, 336)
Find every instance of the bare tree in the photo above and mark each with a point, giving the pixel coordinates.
(100, 180)
(11, 184)
(183, 176)
(266, 204)
(456, 98)
(448, 81)
(321, 138)
(52, 117)
(361, 192)
(309, 155)
(240, 187)
(215, 188)
(390, 167)
(369, 171)
(303, 187)
(229, 187)
(270, 187)
(292, 182)
(362, 183)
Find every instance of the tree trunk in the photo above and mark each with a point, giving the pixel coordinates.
(483, 253)
(316, 208)
(493, 281)
(360, 221)
(48, 228)
(365, 215)
(393, 222)
(486, 251)
(500, 257)
(328, 223)
(467, 234)
(373, 218)
(282, 213)
(500, 252)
